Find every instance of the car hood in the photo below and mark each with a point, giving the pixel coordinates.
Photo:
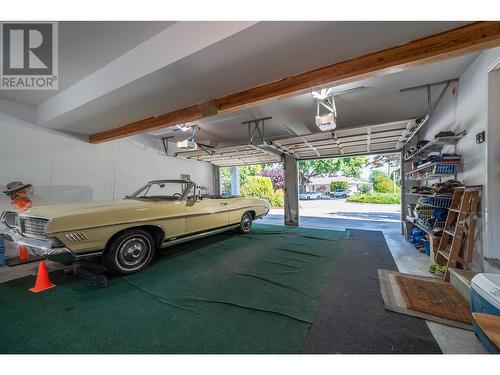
(72, 216)
(55, 210)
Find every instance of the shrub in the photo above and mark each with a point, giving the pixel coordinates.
(382, 198)
(337, 185)
(278, 198)
(257, 186)
(382, 184)
(262, 187)
(365, 189)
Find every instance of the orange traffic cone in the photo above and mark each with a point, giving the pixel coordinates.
(23, 253)
(42, 280)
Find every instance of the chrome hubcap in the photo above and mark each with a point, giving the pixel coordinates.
(133, 251)
(246, 223)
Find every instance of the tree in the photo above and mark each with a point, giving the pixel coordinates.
(249, 170)
(313, 168)
(382, 184)
(348, 166)
(225, 179)
(275, 173)
(375, 173)
(364, 189)
(392, 162)
(352, 166)
(337, 185)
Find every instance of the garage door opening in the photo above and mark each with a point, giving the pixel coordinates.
(259, 180)
(360, 192)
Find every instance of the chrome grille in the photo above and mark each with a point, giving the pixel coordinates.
(10, 219)
(33, 226)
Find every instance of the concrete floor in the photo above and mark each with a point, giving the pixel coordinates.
(451, 340)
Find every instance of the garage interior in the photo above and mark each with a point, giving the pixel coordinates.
(245, 93)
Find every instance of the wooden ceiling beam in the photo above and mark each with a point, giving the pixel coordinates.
(452, 43)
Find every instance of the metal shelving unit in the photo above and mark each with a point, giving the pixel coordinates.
(429, 171)
(433, 170)
(418, 224)
(435, 145)
(430, 195)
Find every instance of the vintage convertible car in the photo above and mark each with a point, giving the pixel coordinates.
(127, 233)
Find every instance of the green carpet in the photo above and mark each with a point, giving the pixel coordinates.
(254, 293)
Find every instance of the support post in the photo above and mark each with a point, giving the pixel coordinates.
(235, 180)
(216, 179)
(291, 191)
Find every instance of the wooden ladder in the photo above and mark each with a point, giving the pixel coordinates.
(459, 229)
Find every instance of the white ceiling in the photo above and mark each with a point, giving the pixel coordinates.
(85, 47)
(104, 85)
(380, 101)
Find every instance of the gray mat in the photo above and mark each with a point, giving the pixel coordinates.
(352, 317)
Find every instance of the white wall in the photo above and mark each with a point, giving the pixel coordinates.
(63, 168)
(468, 110)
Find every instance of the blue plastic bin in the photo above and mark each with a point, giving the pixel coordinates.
(427, 244)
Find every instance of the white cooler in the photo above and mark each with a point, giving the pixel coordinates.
(485, 293)
(485, 298)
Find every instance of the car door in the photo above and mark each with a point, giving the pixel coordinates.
(205, 214)
(174, 221)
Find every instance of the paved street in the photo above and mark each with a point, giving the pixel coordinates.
(340, 209)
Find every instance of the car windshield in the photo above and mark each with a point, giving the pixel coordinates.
(164, 190)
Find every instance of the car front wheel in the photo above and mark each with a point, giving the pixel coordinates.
(131, 251)
(245, 223)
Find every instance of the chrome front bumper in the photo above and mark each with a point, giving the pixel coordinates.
(40, 247)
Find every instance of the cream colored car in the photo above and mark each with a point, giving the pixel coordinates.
(127, 233)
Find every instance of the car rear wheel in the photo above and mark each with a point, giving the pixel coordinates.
(131, 251)
(245, 223)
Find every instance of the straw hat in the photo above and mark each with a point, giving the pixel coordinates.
(14, 187)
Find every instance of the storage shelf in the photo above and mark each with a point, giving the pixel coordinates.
(435, 145)
(430, 165)
(429, 175)
(431, 195)
(427, 230)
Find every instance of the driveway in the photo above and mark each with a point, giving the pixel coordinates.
(341, 209)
